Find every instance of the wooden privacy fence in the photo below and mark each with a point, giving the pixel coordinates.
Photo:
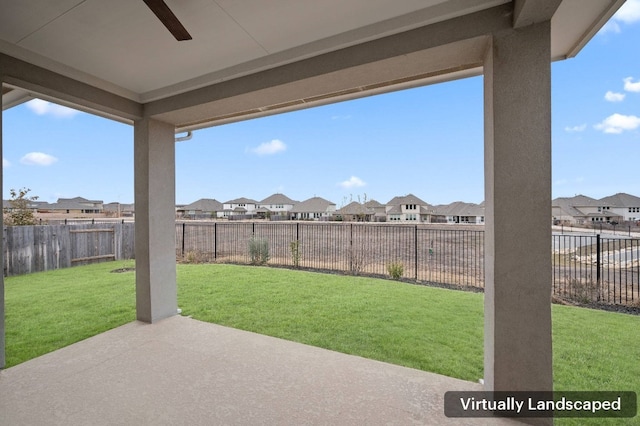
(42, 248)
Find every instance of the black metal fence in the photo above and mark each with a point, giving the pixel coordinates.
(585, 268)
(419, 253)
(590, 268)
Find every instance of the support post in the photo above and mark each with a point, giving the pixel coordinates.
(184, 225)
(598, 260)
(154, 161)
(517, 80)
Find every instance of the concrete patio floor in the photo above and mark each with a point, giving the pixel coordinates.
(181, 371)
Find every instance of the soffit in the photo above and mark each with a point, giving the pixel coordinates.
(119, 45)
(232, 103)
(120, 48)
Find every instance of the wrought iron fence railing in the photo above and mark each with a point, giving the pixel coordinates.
(595, 269)
(423, 254)
(585, 268)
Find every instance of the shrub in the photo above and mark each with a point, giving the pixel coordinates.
(194, 257)
(20, 213)
(357, 260)
(584, 290)
(395, 270)
(258, 251)
(294, 246)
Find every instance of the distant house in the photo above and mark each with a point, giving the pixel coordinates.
(408, 208)
(119, 209)
(583, 210)
(77, 205)
(379, 210)
(362, 212)
(591, 210)
(239, 207)
(625, 205)
(275, 205)
(7, 205)
(459, 212)
(562, 211)
(204, 208)
(315, 208)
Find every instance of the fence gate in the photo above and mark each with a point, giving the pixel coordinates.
(92, 245)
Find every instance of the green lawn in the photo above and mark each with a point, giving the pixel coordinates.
(421, 327)
(48, 310)
(425, 328)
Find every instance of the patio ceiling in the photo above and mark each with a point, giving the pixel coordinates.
(254, 58)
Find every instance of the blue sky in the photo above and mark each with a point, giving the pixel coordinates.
(426, 141)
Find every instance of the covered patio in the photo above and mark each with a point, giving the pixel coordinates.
(250, 59)
(182, 371)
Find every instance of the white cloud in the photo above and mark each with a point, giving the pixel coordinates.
(630, 86)
(41, 107)
(5, 162)
(610, 27)
(269, 148)
(614, 97)
(629, 12)
(352, 182)
(618, 123)
(574, 129)
(38, 159)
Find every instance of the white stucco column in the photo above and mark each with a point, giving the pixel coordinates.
(154, 163)
(517, 79)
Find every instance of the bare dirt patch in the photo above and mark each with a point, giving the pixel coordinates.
(121, 270)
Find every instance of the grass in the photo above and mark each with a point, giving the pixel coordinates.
(426, 328)
(48, 310)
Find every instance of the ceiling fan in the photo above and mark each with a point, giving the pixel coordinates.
(168, 19)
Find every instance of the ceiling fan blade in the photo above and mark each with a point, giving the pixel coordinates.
(166, 16)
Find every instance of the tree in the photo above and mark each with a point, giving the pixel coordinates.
(20, 213)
